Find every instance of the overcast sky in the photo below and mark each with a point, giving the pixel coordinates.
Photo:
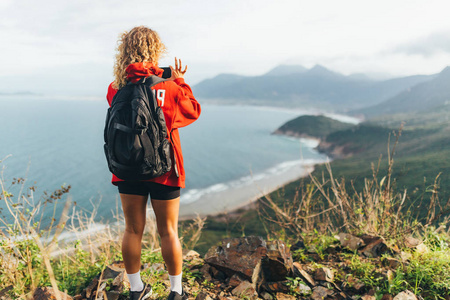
(67, 48)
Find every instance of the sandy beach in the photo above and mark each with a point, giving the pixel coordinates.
(233, 196)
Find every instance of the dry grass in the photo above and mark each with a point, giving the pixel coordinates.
(66, 253)
(326, 206)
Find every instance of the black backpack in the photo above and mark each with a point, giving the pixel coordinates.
(136, 146)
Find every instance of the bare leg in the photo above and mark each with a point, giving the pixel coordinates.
(134, 209)
(166, 212)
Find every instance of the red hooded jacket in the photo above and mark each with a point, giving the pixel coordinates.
(180, 109)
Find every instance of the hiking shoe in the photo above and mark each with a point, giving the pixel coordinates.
(175, 296)
(142, 295)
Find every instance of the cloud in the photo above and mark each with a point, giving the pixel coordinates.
(76, 40)
(427, 46)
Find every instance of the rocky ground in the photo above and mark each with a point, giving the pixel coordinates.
(252, 268)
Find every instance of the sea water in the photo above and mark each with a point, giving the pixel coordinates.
(53, 143)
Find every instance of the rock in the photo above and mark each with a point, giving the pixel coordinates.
(193, 259)
(113, 270)
(112, 295)
(391, 262)
(47, 293)
(245, 289)
(205, 271)
(303, 289)
(405, 256)
(100, 289)
(278, 263)
(277, 286)
(240, 255)
(332, 249)
(119, 280)
(191, 254)
(375, 248)
(355, 283)
(320, 293)
(281, 296)
(324, 274)
(157, 268)
(91, 287)
(217, 274)
(368, 297)
(251, 258)
(4, 292)
(303, 274)
(235, 280)
(202, 296)
(387, 297)
(367, 238)
(412, 242)
(265, 296)
(113, 276)
(349, 241)
(405, 295)
(422, 248)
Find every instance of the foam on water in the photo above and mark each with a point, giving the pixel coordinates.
(193, 195)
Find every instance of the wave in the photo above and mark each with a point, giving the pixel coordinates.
(193, 195)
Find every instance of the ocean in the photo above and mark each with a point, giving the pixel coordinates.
(229, 148)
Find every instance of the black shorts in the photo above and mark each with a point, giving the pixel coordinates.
(156, 190)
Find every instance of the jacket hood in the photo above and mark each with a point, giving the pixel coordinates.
(142, 69)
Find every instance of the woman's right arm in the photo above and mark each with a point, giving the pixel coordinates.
(188, 109)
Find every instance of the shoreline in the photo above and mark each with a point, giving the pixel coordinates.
(238, 197)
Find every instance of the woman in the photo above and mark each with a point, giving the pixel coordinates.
(139, 51)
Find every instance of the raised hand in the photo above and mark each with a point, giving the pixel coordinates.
(177, 71)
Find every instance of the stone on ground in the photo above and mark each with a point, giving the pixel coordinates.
(320, 293)
(245, 289)
(350, 241)
(203, 296)
(282, 296)
(406, 295)
(324, 274)
(48, 293)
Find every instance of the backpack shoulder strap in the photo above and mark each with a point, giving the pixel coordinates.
(149, 81)
(153, 80)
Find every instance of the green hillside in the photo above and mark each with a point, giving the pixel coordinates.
(312, 126)
(420, 156)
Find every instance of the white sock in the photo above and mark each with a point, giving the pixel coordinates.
(175, 283)
(136, 284)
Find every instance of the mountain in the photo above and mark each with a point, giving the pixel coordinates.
(360, 76)
(283, 70)
(316, 127)
(320, 72)
(430, 96)
(221, 81)
(292, 86)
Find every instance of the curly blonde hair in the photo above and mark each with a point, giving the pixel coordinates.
(140, 44)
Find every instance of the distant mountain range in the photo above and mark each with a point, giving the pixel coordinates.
(429, 96)
(297, 86)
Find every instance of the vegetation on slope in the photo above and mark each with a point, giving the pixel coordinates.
(312, 212)
(311, 127)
